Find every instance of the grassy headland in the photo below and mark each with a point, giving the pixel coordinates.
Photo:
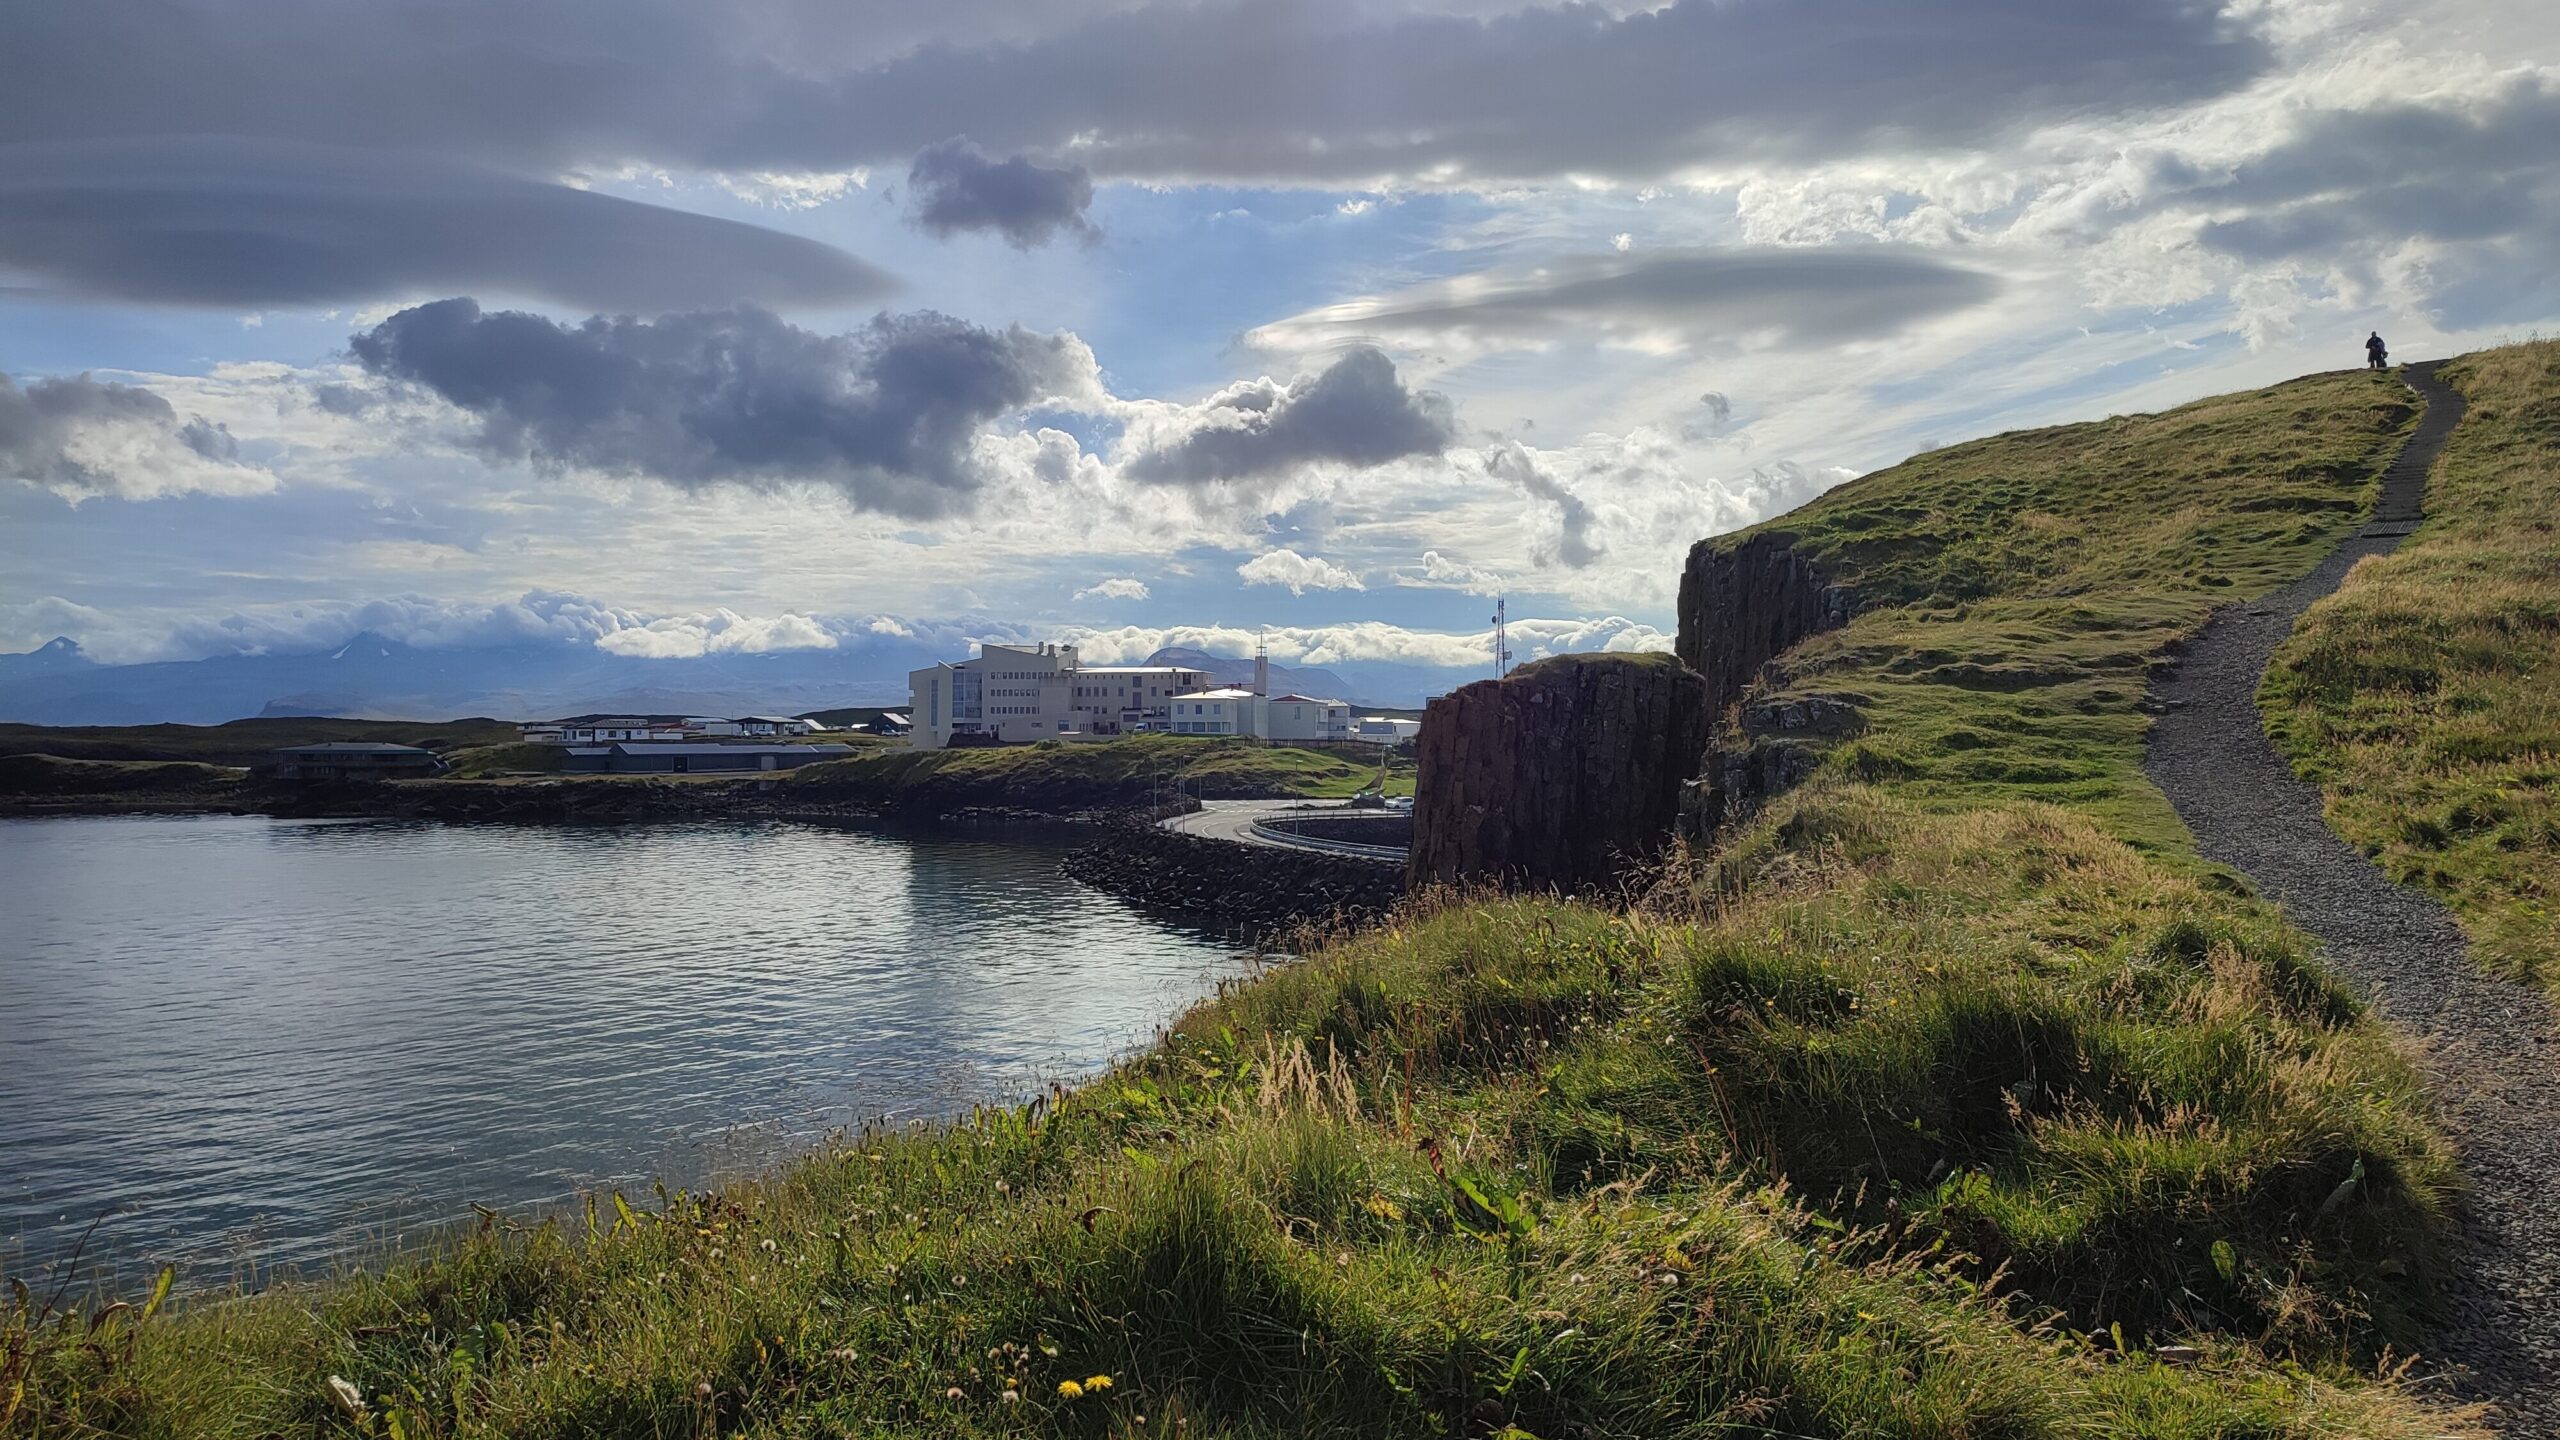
(2014, 591)
(242, 742)
(1927, 1108)
(2425, 695)
(1075, 775)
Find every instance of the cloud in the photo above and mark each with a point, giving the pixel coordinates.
(1574, 546)
(889, 414)
(2473, 179)
(954, 187)
(538, 617)
(82, 438)
(1226, 90)
(1118, 588)
(718, 632)
(224, 221)
(1439, 572)
(1795, 297)
(1366, 641)
(1357, 412)
(1301, 573)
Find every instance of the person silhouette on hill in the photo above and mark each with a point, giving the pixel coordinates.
(2377, 356)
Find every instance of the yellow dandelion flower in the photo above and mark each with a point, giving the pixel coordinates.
(1069, 1390)
(1098, 1382)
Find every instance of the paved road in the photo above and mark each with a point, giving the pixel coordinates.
(2488, 1046)
(1233, 820)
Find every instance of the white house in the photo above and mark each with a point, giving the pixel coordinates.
(763, 725)
(1216, 712)
(1236, 711)
(1018, 693)
(1304, 717)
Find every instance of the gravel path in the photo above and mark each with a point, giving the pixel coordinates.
(2487, 1046)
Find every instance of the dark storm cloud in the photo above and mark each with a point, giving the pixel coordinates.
(2480, 178)
(955, 186)
(1800, 296)
(212, 220)
(2444, 173)
(138, 435)
(1358, 412)
(887, 414)
(1327, 90)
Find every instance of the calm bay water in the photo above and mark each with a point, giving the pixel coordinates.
(254, 1043)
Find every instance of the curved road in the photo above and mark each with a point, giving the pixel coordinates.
(1233, 820)
(2487, 1046)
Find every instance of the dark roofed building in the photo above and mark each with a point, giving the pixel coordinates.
(355, 760)
(691, 757)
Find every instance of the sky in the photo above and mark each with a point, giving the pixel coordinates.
(684, 326)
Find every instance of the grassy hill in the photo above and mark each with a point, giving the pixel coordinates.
(1071, 775)
(1927, 1107)
(241, 742)
(2014, 591)
(2425, 695)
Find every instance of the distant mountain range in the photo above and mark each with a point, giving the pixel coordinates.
(1314, 683)
(375, 677)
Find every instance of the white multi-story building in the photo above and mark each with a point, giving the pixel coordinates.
(1017, 693)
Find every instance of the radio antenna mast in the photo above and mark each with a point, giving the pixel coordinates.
(1501, 638)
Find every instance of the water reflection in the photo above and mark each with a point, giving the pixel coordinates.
(254, 1043)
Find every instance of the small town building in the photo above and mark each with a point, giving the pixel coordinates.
(889, 722)
(609, 729)
(768, 725)
(694, 757)
(1021, 693)
(1234, 710)
(1385, 729)
(1228, 711)
(355, 760)
(1304, 718)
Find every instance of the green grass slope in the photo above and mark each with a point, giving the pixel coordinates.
(1071, 775)
(241, 742)
(2425, 695)
(2015, 590)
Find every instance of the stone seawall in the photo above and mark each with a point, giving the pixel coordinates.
(1243, 889)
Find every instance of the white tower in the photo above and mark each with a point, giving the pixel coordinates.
(1261, 666)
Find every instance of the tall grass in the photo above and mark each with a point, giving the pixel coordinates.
(2425, 695)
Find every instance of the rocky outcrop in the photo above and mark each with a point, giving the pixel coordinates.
(1562, 775)
(1741, 607)
(1255, 890)
(1744, 605)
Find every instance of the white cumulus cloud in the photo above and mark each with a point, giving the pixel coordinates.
(1301, 573)
(1119, 587)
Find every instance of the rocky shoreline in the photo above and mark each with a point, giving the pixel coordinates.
(1254, 891)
